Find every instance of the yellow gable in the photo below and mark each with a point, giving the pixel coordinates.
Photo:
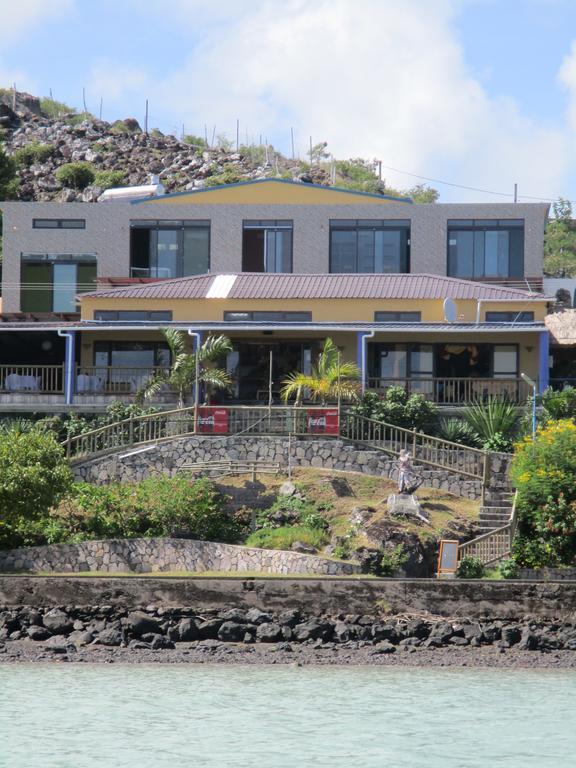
(272, 192)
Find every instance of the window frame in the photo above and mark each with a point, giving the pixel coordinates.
(252, 316)
(269, 225)
(397, 319)
(124, 312)
(59, 223)
(179, 226)
(50, 260)
(513, 317)
(486, 225)
(366, 225)
(106, 346)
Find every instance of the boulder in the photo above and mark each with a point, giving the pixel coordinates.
(109, 637)
(269, 633)
(38, 633)
(58, 622)
(313, 629)
(231, 632)
(187, 630)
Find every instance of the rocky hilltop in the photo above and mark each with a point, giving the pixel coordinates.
(43, 135)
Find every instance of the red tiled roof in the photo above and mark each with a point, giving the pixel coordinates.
(331, 286)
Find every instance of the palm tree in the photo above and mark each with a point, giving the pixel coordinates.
(328, 380)
(181, 376)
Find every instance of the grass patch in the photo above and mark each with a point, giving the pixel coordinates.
(284, 537)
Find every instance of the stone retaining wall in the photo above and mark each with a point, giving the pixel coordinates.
(327, 596)
(157, 555)
(168, 457)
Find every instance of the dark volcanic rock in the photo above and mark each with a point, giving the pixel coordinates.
(269, 632)
(187, 630)
(139, 623)
(314, 629)
(38, 633)
(231, 632)
(112, 637)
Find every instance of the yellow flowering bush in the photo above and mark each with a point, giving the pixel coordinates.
(544, 472)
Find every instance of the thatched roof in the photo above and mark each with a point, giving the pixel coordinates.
(562, 327)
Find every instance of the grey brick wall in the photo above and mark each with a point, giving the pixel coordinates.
(107, 232)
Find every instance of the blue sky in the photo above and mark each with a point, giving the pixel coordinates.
(478, 92)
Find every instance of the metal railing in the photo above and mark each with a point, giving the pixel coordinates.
(111, 380)
(32, 379)
(425, 449)
(233, 420)
(458, 391)
(494, 545)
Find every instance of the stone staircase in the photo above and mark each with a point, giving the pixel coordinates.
(496, 510)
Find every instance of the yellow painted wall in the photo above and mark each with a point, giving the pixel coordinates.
(271, 193)
(323, 310)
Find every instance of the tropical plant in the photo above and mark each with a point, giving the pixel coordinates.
(330, 379)
(34, 475)
(494, 421)
(181, 376)
(544, 473)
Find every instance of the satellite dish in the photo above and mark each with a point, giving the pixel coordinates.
(450, 311)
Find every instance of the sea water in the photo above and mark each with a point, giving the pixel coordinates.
(54, 716)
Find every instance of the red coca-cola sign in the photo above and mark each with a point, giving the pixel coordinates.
(212, 419)
(323, 421)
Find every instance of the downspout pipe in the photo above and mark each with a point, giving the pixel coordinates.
(362, 336)
(68, 366)
(197, 341)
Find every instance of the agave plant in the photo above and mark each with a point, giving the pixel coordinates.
(181, 376)
(330, 378)
(458, 431)
(495, 417)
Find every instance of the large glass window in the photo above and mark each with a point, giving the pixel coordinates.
(133, 315)
(267, 246)
(270, 317)
(169, 248)
(369, 246)
(397, 317)
(59, 223)
(486, 248)
(51, 282)
(509, 317)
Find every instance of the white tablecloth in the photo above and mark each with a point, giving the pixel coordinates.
(87, 383)
(14, 382)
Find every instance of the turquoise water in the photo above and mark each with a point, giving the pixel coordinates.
(284, 717)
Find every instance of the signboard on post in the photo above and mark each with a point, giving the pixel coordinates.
(212, 419)
(323, 421)
(447, 559)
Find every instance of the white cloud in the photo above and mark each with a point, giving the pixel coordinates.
(114, 82)
(17, 17)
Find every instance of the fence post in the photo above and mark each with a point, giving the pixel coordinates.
(131, 430)
(414, 443)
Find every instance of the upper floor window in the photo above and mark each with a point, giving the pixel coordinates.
(271, 317)
(49, 282)
(480, 248)
(59, 223)
(370, 245)
(267, 246)
(509, 317)
(169, 248)
(133, 315)
(397, 317)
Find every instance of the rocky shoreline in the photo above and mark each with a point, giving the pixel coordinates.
(151, 634)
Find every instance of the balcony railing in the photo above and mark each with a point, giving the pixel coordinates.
(32, 379)
(110, 380)
(458, 391)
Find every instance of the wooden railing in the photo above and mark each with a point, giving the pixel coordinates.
(494, 545)
(32, 379)
(249, 420)
(425, 449)
(451, 391)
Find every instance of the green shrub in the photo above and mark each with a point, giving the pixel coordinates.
(197, 141)
(392, 560)
(34, 476)
(229, 175)
(508, 568)
(108, 179)
(75, 175)
(555, 404)
(397, 407)
(159, 506)
(284, 537)
(291, 508)
(470, 568)
(31, 153)
(457, 431)
(544, 473)
(52, 108)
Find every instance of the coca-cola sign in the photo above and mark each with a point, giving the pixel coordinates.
(323, 421)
